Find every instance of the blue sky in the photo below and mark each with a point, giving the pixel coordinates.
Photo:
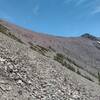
(56, 17)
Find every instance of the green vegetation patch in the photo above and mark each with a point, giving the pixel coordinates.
(6, 31)
(38, 48)
(99, 77)
(61, 59)
(87, 77)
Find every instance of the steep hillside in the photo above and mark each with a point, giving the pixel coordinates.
(83, 51)
(36, 66)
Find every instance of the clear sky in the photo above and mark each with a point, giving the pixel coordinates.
(57, 17)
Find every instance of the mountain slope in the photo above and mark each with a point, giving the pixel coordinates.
(43, 67)
(82, 50)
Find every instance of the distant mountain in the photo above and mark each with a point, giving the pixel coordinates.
(89, 36)
(36, 66)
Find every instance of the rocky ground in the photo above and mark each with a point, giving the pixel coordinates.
(28, 75)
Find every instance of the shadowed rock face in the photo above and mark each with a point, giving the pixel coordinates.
(87, 35)
(36, 66)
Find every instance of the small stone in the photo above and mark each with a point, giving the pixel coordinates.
(29, 82)
(2, 60)
(20, 82)
(2, 81)
(11, 66)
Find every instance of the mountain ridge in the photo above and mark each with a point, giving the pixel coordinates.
(42, 67)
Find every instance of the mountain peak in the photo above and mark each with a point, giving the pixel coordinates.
(89, 36)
